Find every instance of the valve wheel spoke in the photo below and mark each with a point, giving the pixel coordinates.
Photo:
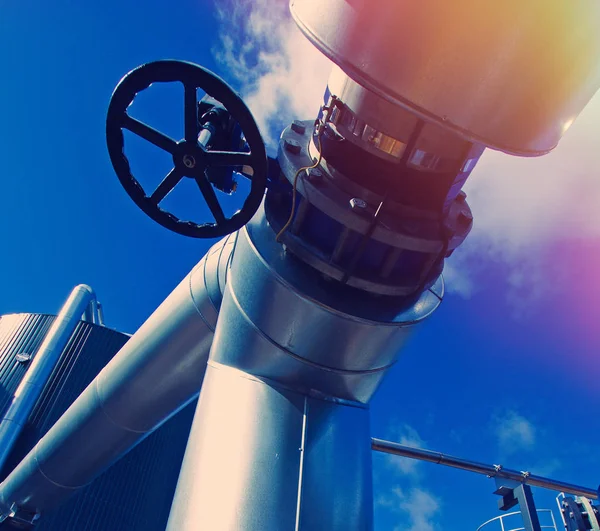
(228, 158)
(149, 133)
(211, 198)
(166, 186)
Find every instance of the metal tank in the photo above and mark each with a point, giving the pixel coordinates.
(46, 363)
(511, 75)
(105, 420)
(136, 493)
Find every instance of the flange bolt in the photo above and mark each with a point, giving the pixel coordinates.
(292, 146)
(357, 203)
(298, 127)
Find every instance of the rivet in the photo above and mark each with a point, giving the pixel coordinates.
(23, 357)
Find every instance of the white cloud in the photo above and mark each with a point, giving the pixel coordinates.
(416, 508)
(549, 467)
(421, 507)
(282, 76)
(514, 432)
(521, 206)
(518, 201)
(408, 436)
(457, 278)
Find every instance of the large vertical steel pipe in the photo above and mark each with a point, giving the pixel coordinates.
(281, 439)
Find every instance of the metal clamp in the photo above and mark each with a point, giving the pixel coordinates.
(22, 518)
(497, 469)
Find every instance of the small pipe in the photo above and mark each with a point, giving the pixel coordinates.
(438, 458)
(92, 312)
(205, 135)
(30, 388)
(100, 314)
(88, 314)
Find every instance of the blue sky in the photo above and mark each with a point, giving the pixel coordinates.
(506, 371)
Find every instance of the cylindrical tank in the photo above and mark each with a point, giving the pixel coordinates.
(135, 493)
(512, 75)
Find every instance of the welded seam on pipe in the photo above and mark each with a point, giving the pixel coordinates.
(206, 284)
(102, 407)
(290, 287)
(310, 393)
(194, 303)
(262, 334)
(50, 480)
(221, 288)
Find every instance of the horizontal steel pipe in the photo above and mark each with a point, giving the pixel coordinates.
(438, 458)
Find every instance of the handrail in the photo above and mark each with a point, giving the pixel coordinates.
(502, 517)
(482, 468)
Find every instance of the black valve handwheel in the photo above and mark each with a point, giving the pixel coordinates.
(190, 158)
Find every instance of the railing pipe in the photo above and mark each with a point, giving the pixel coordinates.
(499, 471)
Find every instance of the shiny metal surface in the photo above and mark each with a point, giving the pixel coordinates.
(496, 471)
(272, 460)
(280, 439)
(135, 494)
(158, 371)
(32, 384)
(506, 521)
(365, 111)
(512, 75)
(279, 322)
(93, 312)
(385, 129)
(240, 469)
(326, 196)
(338, 475)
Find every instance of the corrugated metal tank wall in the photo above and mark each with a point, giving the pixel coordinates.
(133, 495)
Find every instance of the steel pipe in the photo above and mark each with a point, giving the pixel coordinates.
(511, 75)
(497, 471)
(27, 393)
(283, 408)
(100, 314)
(156, 373)
(92, 312)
